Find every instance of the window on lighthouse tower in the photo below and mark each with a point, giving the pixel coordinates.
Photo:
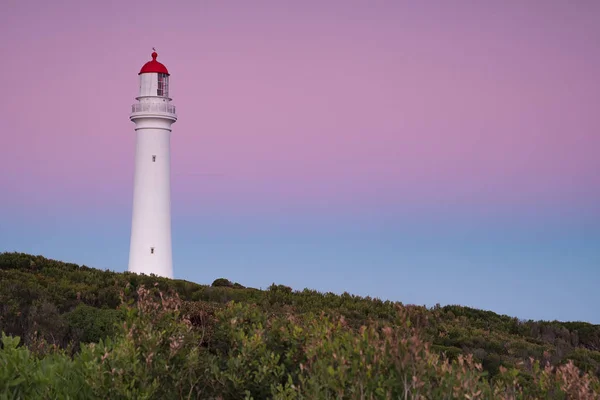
(163, 85)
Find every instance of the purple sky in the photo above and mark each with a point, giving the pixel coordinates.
(424, 152)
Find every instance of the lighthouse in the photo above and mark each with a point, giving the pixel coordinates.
(153, 114)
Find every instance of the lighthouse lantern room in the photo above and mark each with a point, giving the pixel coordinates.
(153, 114)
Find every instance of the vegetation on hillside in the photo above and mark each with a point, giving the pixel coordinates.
(71, 331)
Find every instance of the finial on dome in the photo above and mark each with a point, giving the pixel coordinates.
(154, 54)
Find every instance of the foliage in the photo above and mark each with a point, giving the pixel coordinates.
(222, 282)
(86, 333)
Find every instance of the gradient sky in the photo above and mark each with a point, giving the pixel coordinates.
(420, 151)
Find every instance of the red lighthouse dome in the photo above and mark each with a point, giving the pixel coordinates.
(154, 66)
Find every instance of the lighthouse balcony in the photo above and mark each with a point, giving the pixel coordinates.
(153, 108)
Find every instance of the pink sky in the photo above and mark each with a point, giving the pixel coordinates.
(473, 101)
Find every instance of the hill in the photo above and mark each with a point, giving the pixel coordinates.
(177, 338)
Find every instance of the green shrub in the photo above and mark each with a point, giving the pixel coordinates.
(222, 282)
(178, 339)
(90, 324)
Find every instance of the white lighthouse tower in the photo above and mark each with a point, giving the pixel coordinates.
(153, 114)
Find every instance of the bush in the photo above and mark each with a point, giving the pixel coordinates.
(91, 324)
(222, 282)
(178, 339)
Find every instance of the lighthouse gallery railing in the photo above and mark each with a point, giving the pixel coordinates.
(140, 107)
